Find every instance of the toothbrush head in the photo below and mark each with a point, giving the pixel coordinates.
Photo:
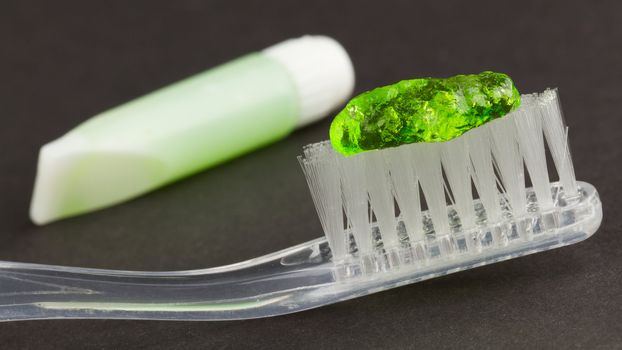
(411, 206)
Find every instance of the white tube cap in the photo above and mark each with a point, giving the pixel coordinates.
(321, 70)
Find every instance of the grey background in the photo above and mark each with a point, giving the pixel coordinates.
(62, 61)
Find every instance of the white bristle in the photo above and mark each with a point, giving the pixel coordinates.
(322, 173)
(427, 159)
(355, 200)
(509, 163)
(367, 185)
(457, 165)
(531, 142)
(380, 196)
(406, 189)
(479, 144)
(557, 139)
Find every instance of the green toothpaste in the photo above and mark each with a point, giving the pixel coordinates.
(422, 110)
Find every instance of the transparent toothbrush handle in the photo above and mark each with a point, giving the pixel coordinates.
(278, 283)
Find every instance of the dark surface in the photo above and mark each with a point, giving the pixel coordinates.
(61, 62)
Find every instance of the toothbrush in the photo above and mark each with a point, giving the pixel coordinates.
(376, 248)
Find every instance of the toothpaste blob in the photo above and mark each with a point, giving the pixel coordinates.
(422, 110)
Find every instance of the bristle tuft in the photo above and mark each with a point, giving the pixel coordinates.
(479, 145)
(356, 200)
(406, 189)
(319, 165)
(381, 197)
(531, 142)
(427, 159)
(510, 163)
(557, 139)
(457, 166)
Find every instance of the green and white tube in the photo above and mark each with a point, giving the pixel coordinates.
(191, 125)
